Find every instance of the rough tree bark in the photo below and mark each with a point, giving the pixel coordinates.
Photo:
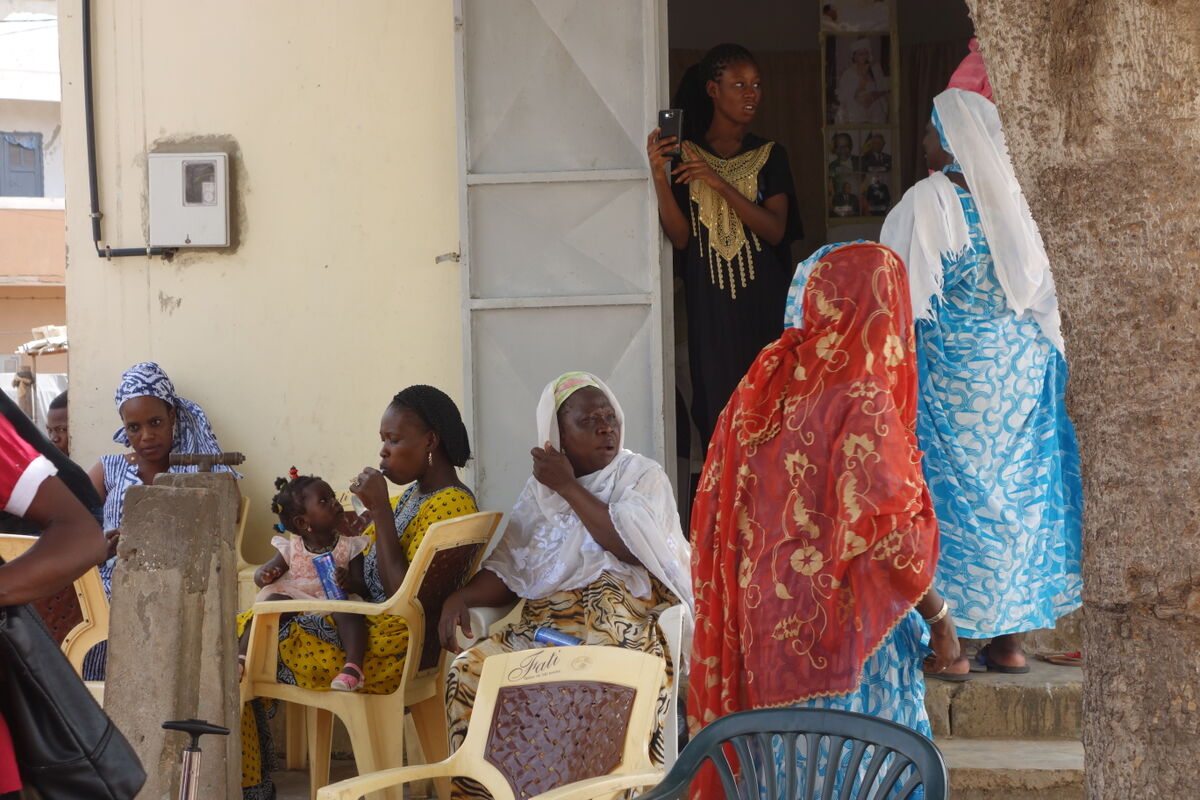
(1101, 110)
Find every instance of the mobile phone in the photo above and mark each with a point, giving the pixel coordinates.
(670, 123)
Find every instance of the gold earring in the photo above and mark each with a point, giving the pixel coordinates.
(430, 458)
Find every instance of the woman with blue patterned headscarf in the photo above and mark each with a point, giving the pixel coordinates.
(155, 422)
(1001, 458)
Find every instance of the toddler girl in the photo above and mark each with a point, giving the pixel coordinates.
(307, 507)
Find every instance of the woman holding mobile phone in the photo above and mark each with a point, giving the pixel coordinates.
(729, 208)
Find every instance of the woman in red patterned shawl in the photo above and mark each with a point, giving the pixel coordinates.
(813, 536)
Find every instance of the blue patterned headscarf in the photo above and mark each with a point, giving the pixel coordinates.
(193, 433)
(953, 166)
(793, 313)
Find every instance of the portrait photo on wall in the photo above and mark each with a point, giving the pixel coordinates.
(844, 197)
(876, 194)
(856, 15)
(875, 152)
(858, 81)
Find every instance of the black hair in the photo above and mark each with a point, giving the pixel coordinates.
(289, 502)
(58, 402)
(692, 93)
(438, 412)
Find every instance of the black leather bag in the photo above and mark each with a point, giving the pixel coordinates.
(66, 745)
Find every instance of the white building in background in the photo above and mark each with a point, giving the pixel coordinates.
(32, 228)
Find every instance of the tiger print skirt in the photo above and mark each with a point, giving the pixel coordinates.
(601, 613)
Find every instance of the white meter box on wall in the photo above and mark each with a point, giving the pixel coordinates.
(189, 199)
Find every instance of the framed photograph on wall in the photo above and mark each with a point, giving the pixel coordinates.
(856, 15)
(858, 80)
(860, 67)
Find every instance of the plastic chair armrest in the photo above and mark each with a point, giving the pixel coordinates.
(277, 607)
(482, 620)
(605, 784)
(354, 788)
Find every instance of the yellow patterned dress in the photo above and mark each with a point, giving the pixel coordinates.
(310, 652)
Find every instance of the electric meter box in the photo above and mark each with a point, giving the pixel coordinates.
(189, 199)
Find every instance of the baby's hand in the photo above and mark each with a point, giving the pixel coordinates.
(346, 581)
(267, 574)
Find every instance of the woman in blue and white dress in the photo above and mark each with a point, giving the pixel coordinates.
(1001, 458)
(154, 423)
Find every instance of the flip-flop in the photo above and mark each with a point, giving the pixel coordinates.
(992, 666)
(1063, 659)
(949, 677)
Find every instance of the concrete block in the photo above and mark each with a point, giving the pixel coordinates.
(1007, 769)
(1045, 703)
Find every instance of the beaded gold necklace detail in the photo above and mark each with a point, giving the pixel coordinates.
(728, 244)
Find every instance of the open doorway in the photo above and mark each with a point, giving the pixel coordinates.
(802, 50)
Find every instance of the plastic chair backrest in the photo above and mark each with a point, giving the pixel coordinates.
(76, 615)
(765, 753)
(548, 717)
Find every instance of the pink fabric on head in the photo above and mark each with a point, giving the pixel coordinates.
(971, 74)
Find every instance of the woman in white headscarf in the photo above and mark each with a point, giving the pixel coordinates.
(1001, 458)
(593, 546)
(862, 93)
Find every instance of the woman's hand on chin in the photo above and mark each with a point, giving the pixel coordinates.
(371, 488)
(552, 468)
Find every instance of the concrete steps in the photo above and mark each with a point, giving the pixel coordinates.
(1011, 737)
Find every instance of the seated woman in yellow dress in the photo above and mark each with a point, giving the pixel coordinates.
(424, 441)
(593, 546)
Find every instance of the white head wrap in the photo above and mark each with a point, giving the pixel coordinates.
(928, 225)
(547, 549)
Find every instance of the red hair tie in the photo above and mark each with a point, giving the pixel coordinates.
(293, 473)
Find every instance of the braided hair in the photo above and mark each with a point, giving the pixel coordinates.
(692, 93)
(438, 412)
(289, 502)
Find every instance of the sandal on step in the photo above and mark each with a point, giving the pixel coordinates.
(985, 659)
(345, 681)
(1063, 659)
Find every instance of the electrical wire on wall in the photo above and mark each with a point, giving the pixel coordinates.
(102, 250)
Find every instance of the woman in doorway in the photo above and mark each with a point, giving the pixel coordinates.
(814, 534)
(593, 545)
(155, 422)
(424, 444)
(1001, 458)
(729, 209)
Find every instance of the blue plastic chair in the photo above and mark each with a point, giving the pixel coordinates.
(894, 762)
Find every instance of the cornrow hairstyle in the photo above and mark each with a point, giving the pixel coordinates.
(438, 412)
(692, 93)
(289, 502)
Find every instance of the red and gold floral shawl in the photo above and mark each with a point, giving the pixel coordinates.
(813, 532)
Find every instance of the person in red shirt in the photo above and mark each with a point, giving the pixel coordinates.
(71, 543)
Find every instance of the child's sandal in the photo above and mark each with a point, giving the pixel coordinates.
(346, 682)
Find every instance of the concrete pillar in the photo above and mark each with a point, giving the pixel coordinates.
(218, 669)
(172, 652)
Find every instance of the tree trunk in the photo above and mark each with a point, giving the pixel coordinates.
(1101, 113)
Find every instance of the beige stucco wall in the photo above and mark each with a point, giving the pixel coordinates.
(344, 121)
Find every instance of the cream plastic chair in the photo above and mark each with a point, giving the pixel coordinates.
(485, 620)
(447, 557)
(557, 723)
(77, 617)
